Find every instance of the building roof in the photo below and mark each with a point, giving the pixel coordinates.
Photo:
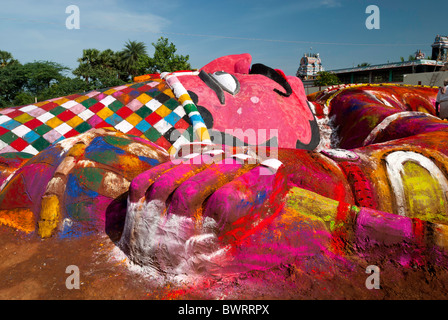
(391, 65)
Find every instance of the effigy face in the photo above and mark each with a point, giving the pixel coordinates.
(232, 169)
(241, 102)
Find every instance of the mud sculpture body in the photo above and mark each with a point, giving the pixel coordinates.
(303, 179)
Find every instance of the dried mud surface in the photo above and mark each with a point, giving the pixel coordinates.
(35, 269)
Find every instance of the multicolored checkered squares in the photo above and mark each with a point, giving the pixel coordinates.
(145, 109)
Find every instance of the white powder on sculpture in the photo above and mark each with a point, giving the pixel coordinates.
(170, 244)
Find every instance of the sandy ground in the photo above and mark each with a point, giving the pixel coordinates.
(31, 268)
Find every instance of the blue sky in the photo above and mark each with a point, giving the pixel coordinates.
(275, 33)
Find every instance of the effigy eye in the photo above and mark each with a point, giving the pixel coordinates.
(227, 82)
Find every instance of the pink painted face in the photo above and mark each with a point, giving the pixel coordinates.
(252, 105)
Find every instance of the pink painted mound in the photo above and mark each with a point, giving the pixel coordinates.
(378, 201)
(360, 171)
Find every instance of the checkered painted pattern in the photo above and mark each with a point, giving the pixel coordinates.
(184, 98)
(146, 109)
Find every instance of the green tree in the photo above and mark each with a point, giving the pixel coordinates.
(6, 59)
(88, 61)
(325, 78)
(165, 58)
(12, 80)
(411, 57)
(144, 65)
(100, 69)
(65, 87)
(41, 75)
(23, 98)
(22, 84)
(130, 55)
(364, 64)
(112, 61)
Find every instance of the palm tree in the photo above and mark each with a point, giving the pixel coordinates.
(90, 56)
(89, 60)
(100, 69)
(130, 56)
(6, 59)
(108, 59)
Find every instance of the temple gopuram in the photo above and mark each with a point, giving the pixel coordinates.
(440, 48)
(310, 65)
